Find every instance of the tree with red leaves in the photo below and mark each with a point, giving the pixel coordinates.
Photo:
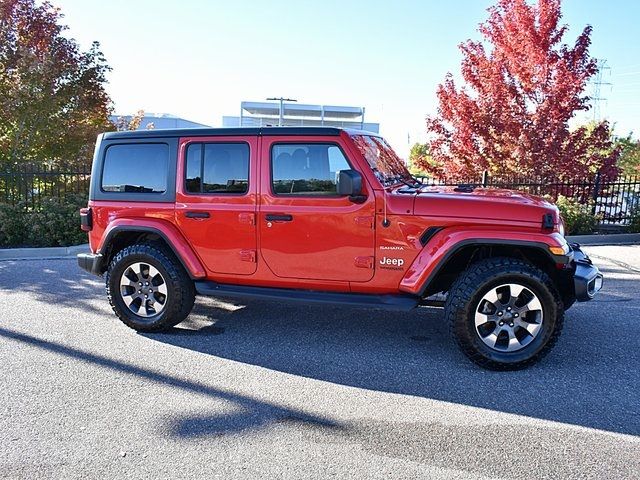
(512, 114)
(52, 97)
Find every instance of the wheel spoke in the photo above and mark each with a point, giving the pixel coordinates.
(514, 343)
(531, 328)
(127, 282)
(162, 288)
(491, 296)
(515, 290)
(532, 305)
(137, 269)
(481, 318)
(153, 271)
(492, 338)
(128, 299)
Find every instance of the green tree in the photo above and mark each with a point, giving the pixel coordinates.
(419, 156)
(52, 97)
(629, 161)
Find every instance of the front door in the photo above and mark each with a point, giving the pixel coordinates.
(307, 231)
(216, 199)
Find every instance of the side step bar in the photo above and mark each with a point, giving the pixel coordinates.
(387, 302)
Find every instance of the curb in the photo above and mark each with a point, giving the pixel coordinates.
(611, 239)
(42, 253)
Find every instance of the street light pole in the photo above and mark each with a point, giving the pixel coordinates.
(282, 100)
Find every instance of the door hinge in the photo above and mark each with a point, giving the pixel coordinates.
(247, 218)
(248, 256)
(364, 262)
(364, 221)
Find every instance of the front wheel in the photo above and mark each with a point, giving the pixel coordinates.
(504, 313)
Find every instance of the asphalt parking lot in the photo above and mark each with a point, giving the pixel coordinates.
(265, 390)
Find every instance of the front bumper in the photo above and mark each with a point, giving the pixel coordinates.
(587, 279)
(91, 262)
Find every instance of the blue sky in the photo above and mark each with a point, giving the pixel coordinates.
(199, 59)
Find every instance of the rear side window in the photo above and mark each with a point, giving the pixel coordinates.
(306, 169)
(136, 168)
(217, 168)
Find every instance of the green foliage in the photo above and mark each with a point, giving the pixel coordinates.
(420, 159)
(56, 223)
(634, 226)
(52, 97)
(578, 218)
(629, 161)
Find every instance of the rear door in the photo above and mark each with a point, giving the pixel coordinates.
(307, 231)
(216, 199)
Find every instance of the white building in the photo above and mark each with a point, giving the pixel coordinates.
(159, 121)
(262, 114)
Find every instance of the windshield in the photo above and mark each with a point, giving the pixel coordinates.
(387, 166)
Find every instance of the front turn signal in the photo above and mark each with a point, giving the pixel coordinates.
(563, 250)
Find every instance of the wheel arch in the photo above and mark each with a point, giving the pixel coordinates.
(459, 259)
(120, 236)
(441, 261)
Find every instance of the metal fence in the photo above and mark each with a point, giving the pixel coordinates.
(613, 200)
(29, 184)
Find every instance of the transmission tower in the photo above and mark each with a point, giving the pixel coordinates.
(596, 85)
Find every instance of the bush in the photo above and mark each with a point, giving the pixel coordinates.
(634, 226)
(13, 225)
(577, 216)
(55, 223)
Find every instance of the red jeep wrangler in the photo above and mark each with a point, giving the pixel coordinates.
(324, 215)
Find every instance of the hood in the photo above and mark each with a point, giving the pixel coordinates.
(483, 203)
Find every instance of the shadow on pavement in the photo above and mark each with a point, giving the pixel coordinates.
(589, 379)
(251, 414)
(53, 281)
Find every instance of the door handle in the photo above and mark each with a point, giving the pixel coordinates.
(197, 215)
(278, 218)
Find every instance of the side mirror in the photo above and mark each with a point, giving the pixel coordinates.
(349, 182)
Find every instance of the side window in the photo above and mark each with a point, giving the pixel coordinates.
(217, 168)
(135, 168)
(306, 169)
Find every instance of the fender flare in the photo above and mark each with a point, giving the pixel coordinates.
(448, 242)
(169, 233)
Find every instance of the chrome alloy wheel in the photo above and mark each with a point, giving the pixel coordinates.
(508, 317)
(143, 289)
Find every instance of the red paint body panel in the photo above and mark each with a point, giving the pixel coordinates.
(327, 234)
(223, 239)
(447, 240)
(163, 225)
(331, 244)
(488, 204)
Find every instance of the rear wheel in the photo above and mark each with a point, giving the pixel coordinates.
(148, 289)
(504, 313)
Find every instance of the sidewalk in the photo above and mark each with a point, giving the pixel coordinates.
(40, 253)
(625, 256)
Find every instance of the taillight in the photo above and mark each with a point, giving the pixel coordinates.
(86, 219)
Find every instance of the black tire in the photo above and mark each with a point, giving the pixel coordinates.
(180, 290)
(472, 288)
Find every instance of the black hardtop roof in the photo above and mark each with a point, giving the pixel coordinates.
(230, 132)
